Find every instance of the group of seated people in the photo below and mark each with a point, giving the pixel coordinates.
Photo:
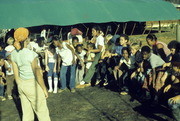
(148, 73)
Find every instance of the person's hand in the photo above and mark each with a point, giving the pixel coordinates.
(166, 89)
(45, 93)
(174, 100)
(47, 68)
(133, 75)
(116, 67)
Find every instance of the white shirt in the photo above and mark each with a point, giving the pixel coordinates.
(10, 48)
(82, 54)
(24, 58)
(9, 66)
(130, 63)
(99, 41)
(32, 45)
(66, 56)
(51, 57)
(43, 33)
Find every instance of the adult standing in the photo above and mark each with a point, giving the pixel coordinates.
(99, 47)
(29, 79)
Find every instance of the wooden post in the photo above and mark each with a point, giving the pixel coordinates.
(124, 29)
(178, 31)
(151, 28)
(133, 28)
(48, 33)
(159, 27)
(60, 32)
(87, 31)
(118, 26)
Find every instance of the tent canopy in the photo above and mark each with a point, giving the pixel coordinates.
(26, 13)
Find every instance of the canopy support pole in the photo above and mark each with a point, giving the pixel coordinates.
(118, 26)
(124, 30)
(159, 27)
(178, 31)
(133, 28)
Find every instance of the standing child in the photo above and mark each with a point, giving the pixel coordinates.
(2, 76)
(90, 56)
(51, 64)
(9, 75)
(80, 64)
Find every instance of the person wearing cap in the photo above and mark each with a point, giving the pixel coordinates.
(10, 46)
(29, 79)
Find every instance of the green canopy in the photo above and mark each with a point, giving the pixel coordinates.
(26, 13)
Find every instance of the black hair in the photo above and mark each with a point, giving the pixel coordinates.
(2, 45)
(91, 45)
(176, 60)
(97, 28)
(126, 37)
(127, 49)
(79, 45)
(52, 48)
(151, 37)
(75, 38)
(55, 38)
(40, 40)
(174, 44)
(146, 49)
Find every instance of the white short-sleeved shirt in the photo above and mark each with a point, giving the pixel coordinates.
(66, 56)
(10, 48)
(82, 54)
(24, 58)
(32, 45)
(155, 61)
(99, 41)
(130, 63)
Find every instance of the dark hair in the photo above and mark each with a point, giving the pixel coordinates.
(176, 60)
(52, 48)
(39, 41)
(127, 49)
(151, 37)
(75, 38)
(55, 38)
(173, 44)
(91, 45)
(126, 37)
(2, 45)
(79, 45)
(146, 49)
(97, 28)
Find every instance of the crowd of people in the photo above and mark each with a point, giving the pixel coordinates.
(149, 73)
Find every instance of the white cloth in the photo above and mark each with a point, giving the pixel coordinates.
(155, 61)
(51, 57)
(32, 45)
(82, 54)
(43, 33)
(130, 63)
(89, 57)
(24, 58)
(9, 66)
(66, 56)
(10, 48)
(100, 41)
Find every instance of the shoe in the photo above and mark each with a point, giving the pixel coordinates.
(10, 97)
(60, 90)
(83, 86)
(123, 93)
(55, 91)
(82, 83)
(2, 98)
(73, 90)
(50, 90)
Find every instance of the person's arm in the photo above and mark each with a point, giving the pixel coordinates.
(58, 63)
(16, 72)
(46, 60)
(161, 51)
(73, 52)
(154, 77)
(39, 75)
(175, 99)
(100, 47)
